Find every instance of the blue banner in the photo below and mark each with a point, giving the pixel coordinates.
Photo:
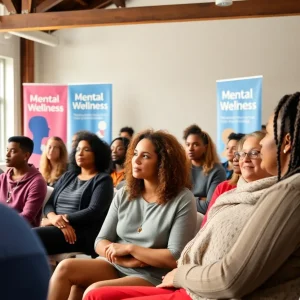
(90, 108)
(239, 105)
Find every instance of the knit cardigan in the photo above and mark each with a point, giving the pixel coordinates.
(225, 222)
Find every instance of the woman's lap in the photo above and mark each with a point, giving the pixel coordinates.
(137, 293)
(54, 241)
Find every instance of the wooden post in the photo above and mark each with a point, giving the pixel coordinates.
(27, 69)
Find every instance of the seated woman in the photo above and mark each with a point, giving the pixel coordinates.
(53, 160)
(148, 224)
(228, 185)
(80, 201)
(118, 153)
(263, 262)
(231, 147)
(207, 172)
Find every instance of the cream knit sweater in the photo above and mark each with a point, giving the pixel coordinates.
(225, 222)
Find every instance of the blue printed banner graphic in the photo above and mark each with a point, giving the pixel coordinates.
(90, 108)
(239, 105)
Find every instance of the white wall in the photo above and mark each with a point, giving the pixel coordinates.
(164, 75)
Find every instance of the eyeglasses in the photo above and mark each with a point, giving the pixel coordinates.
(253, 154)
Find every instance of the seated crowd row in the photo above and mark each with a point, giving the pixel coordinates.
(147, 235)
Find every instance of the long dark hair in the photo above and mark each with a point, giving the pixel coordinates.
(100, 149)
(287, 113)
(210, 157)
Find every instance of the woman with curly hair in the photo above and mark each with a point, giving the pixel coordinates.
(207, 172)
(148, 224)
(80, 200)
(54, 160)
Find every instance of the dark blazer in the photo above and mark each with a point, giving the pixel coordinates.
(94, 205)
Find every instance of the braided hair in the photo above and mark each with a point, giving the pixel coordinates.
(288, 112)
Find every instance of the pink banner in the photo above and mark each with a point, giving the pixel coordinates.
(45, 115)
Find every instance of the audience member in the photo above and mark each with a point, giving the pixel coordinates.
(263, 262)
(249, 167)
(80, 201)
(24, 269)
(22, 187)
(74, 138)
(54, 160)
(118, 153)
(231, 147)
(127, 132)
(207, 172)
(228, 185)
(147, 226)
(73, 146)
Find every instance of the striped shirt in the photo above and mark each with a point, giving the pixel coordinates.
(68, 200)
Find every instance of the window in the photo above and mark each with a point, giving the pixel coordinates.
(2, 111)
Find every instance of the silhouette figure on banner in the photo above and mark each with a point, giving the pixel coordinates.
(38, 125)
(101, 129)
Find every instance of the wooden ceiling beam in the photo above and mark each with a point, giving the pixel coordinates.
(46, 5)
(81, 2)
(12, 6)
(26, 6)
(119, 3)
(95, 4)
(150, 14)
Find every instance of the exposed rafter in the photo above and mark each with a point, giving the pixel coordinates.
(95, 4)
(150, 14)
(46, 5)
(12, 6)
(26, 6)
(82, 2)
(119, 3)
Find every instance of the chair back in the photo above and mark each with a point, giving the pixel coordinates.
(48, 194)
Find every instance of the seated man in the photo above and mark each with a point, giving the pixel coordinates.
(22, 187)
(126, 132)
(24, 269)
(118, 154)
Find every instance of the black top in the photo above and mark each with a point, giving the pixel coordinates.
(94, 203)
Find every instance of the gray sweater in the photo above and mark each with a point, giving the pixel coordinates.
(170, 226)
(205, 185)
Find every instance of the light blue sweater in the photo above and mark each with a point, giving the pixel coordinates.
(169, 226)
